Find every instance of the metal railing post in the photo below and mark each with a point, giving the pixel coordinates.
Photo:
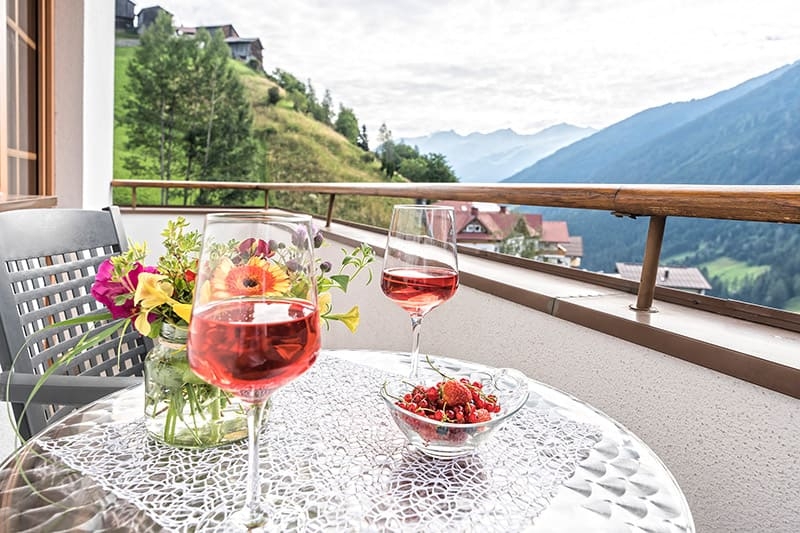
(652, 255)
(330, 211)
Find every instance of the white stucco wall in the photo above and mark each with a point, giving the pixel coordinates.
(84, 102)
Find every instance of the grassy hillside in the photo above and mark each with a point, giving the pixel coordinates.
(732, 272)
(292, 147)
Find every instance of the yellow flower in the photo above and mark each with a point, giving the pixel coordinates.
(349, 319)
(152, 291)
(183, 310)
(325, 303)
(257, 277)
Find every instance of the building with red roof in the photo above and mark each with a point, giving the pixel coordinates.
(491, 227)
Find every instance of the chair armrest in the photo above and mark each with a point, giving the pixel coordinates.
(63, 390)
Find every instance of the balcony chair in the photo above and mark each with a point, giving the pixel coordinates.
(48, 262)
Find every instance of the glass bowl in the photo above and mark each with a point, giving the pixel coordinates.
(448, 440)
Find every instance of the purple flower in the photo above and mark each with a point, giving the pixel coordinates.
(252, 247)
(117, 294)
(300, 238)
(292, 265)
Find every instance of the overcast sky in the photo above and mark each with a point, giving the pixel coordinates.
(421, 66)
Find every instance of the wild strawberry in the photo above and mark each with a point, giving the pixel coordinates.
(482, 415)
(455, 393)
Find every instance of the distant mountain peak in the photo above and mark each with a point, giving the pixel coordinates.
(490, 157)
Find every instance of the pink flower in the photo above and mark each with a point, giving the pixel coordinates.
(117, 293)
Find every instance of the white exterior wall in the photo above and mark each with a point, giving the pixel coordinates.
(84, 102)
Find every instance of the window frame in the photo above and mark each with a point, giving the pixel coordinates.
(44, 100)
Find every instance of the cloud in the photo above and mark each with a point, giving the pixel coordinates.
(481, 65)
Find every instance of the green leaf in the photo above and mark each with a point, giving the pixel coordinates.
(342, 281)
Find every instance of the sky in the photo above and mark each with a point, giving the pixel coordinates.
(421, 66)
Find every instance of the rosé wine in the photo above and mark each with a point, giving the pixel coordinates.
(251, 347)
(419, 289)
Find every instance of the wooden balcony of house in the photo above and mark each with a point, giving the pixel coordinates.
(711, 385)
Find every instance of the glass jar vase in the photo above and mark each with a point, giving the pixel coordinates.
(180, 409)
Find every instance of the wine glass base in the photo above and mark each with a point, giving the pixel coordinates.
(274, 514)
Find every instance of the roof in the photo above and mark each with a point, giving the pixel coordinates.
(500, 223)
(555, 231)
(245, 40)
(668, 276)
(574, 248)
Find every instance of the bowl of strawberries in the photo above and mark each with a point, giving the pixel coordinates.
(448, 417)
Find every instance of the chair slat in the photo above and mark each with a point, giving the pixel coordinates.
(48, 262)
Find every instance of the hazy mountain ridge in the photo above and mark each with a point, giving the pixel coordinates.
(748, 135)
(592, 159)
(491, 157)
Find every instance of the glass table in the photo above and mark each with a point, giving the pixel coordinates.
(334, 460)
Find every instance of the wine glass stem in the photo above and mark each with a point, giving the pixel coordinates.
(416, 327)
(254, 514)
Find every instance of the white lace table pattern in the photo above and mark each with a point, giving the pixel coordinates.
(342, 463)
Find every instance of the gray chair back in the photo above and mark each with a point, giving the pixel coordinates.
(48, 262)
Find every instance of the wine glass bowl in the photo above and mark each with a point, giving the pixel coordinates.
(255, 322)
(420, 263)
(448, 440)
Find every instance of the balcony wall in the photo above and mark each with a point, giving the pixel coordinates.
(732, 446)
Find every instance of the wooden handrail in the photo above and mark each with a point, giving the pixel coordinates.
(757, 203)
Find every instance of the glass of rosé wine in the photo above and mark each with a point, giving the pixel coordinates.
(255, 322)
(420, 264)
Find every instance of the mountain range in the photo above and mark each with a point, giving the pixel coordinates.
(746, 135)
(490, 157)
(711, 140)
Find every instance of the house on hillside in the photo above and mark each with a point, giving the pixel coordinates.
(554, 242)
(249, 50)
(491, 227)
(124, 15)
(147, 16)
(684, 278)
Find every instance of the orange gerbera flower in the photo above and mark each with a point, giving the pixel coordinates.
(257, 277)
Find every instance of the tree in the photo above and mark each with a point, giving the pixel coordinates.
(187, 114)
(387, 151)
(363, 140)
(157, 78)
(222, 108)
(347, 124)
(273, 95)
(326, 109)
(520, 242)
(439, 170)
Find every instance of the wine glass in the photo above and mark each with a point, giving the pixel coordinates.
(420, 264)
(255, 320)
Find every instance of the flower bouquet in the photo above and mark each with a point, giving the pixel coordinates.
(180, 408)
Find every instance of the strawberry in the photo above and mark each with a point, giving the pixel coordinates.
(455, 393)
(482, 415)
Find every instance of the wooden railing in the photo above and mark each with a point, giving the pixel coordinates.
(777, 204)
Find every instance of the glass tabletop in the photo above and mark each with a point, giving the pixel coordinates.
(331, 449)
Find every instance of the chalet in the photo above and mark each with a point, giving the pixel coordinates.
(147, 16)
(684, 278)
(124, 15)
(246, 49)
(487, 226)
